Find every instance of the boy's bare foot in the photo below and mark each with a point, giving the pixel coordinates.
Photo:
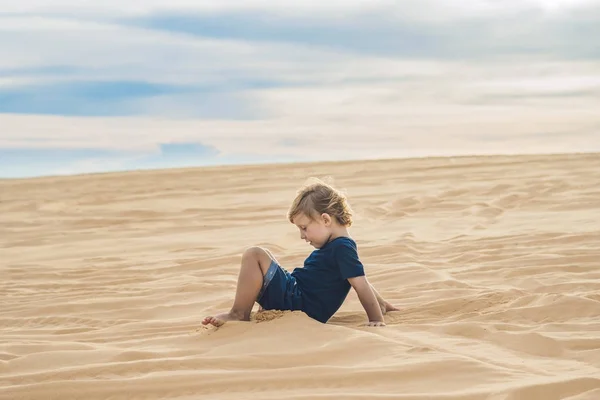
(220, 319)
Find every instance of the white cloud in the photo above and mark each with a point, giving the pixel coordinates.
(331, 104)
(90, 44)
(349, 120)
(110, 51)
(150, 6)
(332, 140)
(315, 7)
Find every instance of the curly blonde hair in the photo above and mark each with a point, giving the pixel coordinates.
(317, 197)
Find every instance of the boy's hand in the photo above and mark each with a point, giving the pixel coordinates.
(387, 307)
(376, 323)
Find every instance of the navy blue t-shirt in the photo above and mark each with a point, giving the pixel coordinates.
(324, 279)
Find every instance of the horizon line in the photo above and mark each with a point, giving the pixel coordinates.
(300, 163)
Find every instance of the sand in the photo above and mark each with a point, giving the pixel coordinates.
(494, 262)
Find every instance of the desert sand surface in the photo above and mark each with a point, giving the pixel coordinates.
(494, 262)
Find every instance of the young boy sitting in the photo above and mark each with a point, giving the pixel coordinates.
(323, 216)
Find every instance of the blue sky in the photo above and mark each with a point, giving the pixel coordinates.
(158, 84)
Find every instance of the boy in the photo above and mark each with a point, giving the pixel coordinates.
(323, 216)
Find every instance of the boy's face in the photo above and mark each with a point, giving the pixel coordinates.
(315, 231)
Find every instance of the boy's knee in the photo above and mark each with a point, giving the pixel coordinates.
(255, 252)
(260, 255)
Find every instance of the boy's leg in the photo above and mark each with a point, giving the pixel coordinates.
(274, 259)
(255, 264)
(271, 255)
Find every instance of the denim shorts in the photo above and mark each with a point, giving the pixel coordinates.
(279, 290)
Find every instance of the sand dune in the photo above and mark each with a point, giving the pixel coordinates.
(494, 261)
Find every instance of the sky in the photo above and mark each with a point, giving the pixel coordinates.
(90, 86)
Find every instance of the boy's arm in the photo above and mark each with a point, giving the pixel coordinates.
(385, 306)
(380, 299)
(368, 298)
